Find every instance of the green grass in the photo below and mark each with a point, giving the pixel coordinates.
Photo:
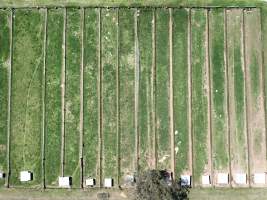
(255, 88)
(264, 46)
(218, 91)
(26, 95)
(28, 41)
(72, 97)
(199, 95)
(127, 143)
(254, 73)
(236, 76)
(53, 96)
(90, 95)
(180, 87)
(257, 142)
(145, 108)
(4, 65)
(109, 42)
(162, 89)
(231, 194)
(239, 84)
(253, 54)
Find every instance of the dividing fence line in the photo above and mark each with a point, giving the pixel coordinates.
(63, 84)
(9, 98)
(227, 92)
(247, 124)
(126, 7)
(44, 99)
(82, 100)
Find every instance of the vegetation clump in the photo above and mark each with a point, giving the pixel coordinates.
(157, 185)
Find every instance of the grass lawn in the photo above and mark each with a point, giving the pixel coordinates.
(229, 194)
(91, 168)
(127, 147)
(4, 83)
(116, 155)
(162, 90)
(199, 95)
(26, 94)
(109, 32)
(146, 87)
(218, 91)
(181, 92)
(53, 97)
(72, 97)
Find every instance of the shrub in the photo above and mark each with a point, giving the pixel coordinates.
(156, 185)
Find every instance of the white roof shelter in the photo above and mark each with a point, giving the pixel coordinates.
(90, 182)
(259, 178)
(2, 175)
(240, 178)
(186, 180)
(128, 179)
(108, 182)
(222, 178)
(26, 176)
(205, 180)
(64, 181)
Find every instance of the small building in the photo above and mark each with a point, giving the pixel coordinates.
(129, 180)
(2, 175)
(65, 181)
(222, 178)
(259, 178)
(108, 183)
(205, 179)
(240, 178)
(26, 176)
(90, 182)
(185, 180)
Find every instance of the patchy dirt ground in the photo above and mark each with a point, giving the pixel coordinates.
(195, 194)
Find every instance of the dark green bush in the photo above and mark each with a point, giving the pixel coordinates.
(155, 185)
